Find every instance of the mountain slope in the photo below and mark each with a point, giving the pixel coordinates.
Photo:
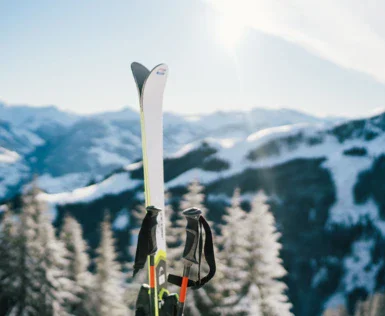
(325, 185)
(69, 151)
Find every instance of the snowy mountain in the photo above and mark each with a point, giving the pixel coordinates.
(326, 187)
(12, 172)
(69, 151)
(35, 118)
(18, 138)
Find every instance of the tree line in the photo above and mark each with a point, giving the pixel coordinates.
(47, 273)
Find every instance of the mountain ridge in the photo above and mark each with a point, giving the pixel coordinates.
(86, 148)
(325, 186)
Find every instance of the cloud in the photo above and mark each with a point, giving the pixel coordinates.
(350, 33)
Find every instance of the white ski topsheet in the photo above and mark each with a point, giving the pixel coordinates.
(152, 116)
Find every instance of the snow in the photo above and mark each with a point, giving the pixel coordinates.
(335, 300)
(188, 176)
(12, 171)
(228, 142)
(32, 138)
(67, 182)
(265, 135)
(211, 141)
(219, 197)
(122, 220)
(360, 271)
(113, 185)
(106, 157)
(133, 166)
(235, 154)
(320, 276)
(184, 150)
(345, 170)
(8, 156)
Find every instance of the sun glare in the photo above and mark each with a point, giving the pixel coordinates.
(229, 31)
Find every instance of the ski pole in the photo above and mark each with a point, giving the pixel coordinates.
(189, 254)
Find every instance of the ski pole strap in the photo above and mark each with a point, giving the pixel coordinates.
(209, 255)
(147, 238)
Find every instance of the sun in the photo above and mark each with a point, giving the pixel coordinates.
(230, 30)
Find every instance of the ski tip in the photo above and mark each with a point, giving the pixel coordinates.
(139, 68)
(140, 74)
(136, 64)
(160, 69)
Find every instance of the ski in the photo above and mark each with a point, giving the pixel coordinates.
(150, 85)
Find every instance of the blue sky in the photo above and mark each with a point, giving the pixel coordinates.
(222, 54)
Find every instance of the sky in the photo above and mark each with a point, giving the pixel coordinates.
(322, 57)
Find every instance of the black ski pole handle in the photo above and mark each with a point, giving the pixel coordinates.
(192, 234)
(153, 212)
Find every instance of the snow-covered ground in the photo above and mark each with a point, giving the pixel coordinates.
(343, 168)
(113, 185)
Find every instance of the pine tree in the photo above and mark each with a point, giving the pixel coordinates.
(198, 302)
(38, 282)
(232, 260)
(9, 259)
(76, 247)
(264, 265)
(377, 304)
(373, 306)
(362, 308)
(194, 197)
(249, 304)
(108, 291)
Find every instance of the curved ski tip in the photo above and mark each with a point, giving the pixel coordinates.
(162, 66)
(135, 66)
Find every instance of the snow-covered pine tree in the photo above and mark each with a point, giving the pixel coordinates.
(9, 259)
(264, 264)
(108, 290)
(232, 260)
(198, 302)
(72, 237)
(374, 305)
(194, 197)
(361, 308)
(377, 304)
(249, 304)
(21, 279)
(39, 281)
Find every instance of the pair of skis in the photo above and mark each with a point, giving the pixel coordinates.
(152, 240)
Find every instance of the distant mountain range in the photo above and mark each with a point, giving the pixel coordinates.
(325, 179)
(68, 151)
